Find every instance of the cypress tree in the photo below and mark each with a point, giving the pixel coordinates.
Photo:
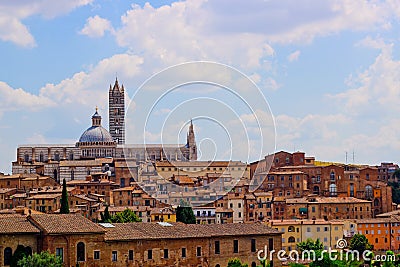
(107, 216)
(64, 199)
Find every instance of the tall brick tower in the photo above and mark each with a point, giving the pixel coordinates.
(191, 143)
(116, 111)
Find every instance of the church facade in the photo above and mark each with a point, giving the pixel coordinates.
(98, 148)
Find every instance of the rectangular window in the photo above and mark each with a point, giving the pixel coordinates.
(96, 254)
(165, 253)
(198, 252)
(183, 252)
(253, 245)
(60, 253)
(217, 248)
(131, 255)
(149, 254)
(114, 256)
(235, 246)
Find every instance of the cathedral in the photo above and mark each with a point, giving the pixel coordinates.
(98, 148)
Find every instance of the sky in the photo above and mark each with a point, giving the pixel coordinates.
(328, 70)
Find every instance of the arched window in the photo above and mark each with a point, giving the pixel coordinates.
(55, 174)
(291, 228)
(7, 256)
(41, 157)
(217, 265)
(376, 202)
(291, 239)
(71, 155)
(72, 174)
(368, 192)
(253, 264)
(352, 190)
(333, 190)
(316, 190)
(26, 158)
(332, 176)
(57, 156)
(80, 251)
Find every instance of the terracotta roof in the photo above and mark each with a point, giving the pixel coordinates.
(282, 173)
(128, 188)
(220, 209)
(65, 224)
(205, 164)
(84, 182)
(44, 196)
(18, 195)
(182, 179)
(391, 219)
(6, 190)
(13, 224)
(388, 214)
(134, 231)
(122, 208)
(327, 200)
(78, 163)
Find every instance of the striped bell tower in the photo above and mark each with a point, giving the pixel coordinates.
(116, 111)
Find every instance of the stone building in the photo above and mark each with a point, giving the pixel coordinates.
(325, 179)
(382, 233)
(296, 231)
(79, 241)
(97, 142)
(327, 208)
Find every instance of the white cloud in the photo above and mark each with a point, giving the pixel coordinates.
(18, 99)
(12, 13)
(294, 56)
(244, 36)
(271, 84)
(90, 88)
(376, 89)
(96, 27)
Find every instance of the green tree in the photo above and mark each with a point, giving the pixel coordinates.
(310, 245)
(19, 254)
(265, 263)
(64, 199)
(294, 264)
(185, 215)
(236, 263)
(39, 260)
(360, 243)
(124, 217)
(395, 190)
(106, 217)
(389, 262)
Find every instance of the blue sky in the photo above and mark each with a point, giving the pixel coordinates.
(330, 70)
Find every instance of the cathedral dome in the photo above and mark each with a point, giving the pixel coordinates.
(96, 134)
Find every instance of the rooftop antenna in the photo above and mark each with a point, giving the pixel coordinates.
(346, 157)
(353, 155)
